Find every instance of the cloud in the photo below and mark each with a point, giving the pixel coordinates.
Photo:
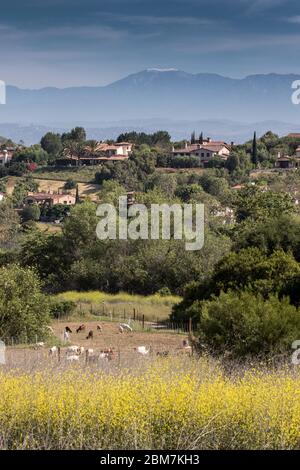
(159, 20)
(294, 19)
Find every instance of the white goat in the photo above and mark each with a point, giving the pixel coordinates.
(73, 358)
(142, 350)
(73, 350)
(53, 351)
(39, 345)
(125, 326)
(66, 336)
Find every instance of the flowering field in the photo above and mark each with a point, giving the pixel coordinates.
(166, 404)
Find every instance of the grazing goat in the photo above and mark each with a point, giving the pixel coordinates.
(80, 328)
(53, 351)
(90, 335)
(66, 336)
(39, 345)
(142, 350)
(73, 358)
(68, 330)
(125, 327)
(73, 350)
(99, 327)
(162, 354)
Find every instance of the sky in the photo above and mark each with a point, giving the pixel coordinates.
(66, 43)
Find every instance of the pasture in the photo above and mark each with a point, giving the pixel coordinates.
(123, 344)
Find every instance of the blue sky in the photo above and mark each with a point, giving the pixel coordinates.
(94, 42)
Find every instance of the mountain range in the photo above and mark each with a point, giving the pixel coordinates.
(174, 100)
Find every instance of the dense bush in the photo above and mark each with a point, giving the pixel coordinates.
(245, 323)
(61, 308)
(24, 310)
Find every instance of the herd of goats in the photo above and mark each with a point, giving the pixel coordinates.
(74, 352)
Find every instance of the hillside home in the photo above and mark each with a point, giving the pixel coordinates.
(205, 151)
(49, 199)
(102, 152)
(286, 162)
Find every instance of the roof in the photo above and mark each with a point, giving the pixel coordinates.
(294, 134)
(43, 196)
(211, 146)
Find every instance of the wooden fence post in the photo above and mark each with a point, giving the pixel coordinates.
(143, 321)
(134, 314)
(58, 354)
(86, 356)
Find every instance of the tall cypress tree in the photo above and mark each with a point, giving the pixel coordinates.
(201, 138)
(193, 138)
(254, 158)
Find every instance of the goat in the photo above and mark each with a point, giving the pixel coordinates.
(162, 354)
(80, 328)
(53, 351)
(142, 350)
(66, 336)
(68, 330)
(99, 327)
(73, 358)
(39, 345)
(49, 328)
(73, 350)
(126, 327)
(90, 335)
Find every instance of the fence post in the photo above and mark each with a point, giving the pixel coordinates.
(58, 354)
(86, 356)
(190, 327)
(134, 314)
(143, 321)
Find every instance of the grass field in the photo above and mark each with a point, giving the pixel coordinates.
(153, 307)
(176, 403)
(81, 175)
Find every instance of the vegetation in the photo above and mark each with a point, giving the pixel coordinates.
(24, 309)
(169, 405)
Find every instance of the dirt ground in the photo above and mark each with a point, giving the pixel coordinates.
(110, 337)
(28, 358)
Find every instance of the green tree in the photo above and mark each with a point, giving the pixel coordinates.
(254, 157)
(51, 143)
(24, 309)
(31, 212)
(245, 323)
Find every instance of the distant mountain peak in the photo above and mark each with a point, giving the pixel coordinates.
(161, 70)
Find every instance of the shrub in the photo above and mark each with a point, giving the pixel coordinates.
(61, 308)
(244, 323)
(24, 309)
(31, 212)
(70, 184)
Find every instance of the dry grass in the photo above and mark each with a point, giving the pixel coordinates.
(153, 307)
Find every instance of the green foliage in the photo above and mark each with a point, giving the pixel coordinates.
(9, 224)
(247, 324)
(159, 138)
(256, 204)
(70, 184)
(51, 143)
(31, 212)
(60, 308)
(34, 154)
(24, 310)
